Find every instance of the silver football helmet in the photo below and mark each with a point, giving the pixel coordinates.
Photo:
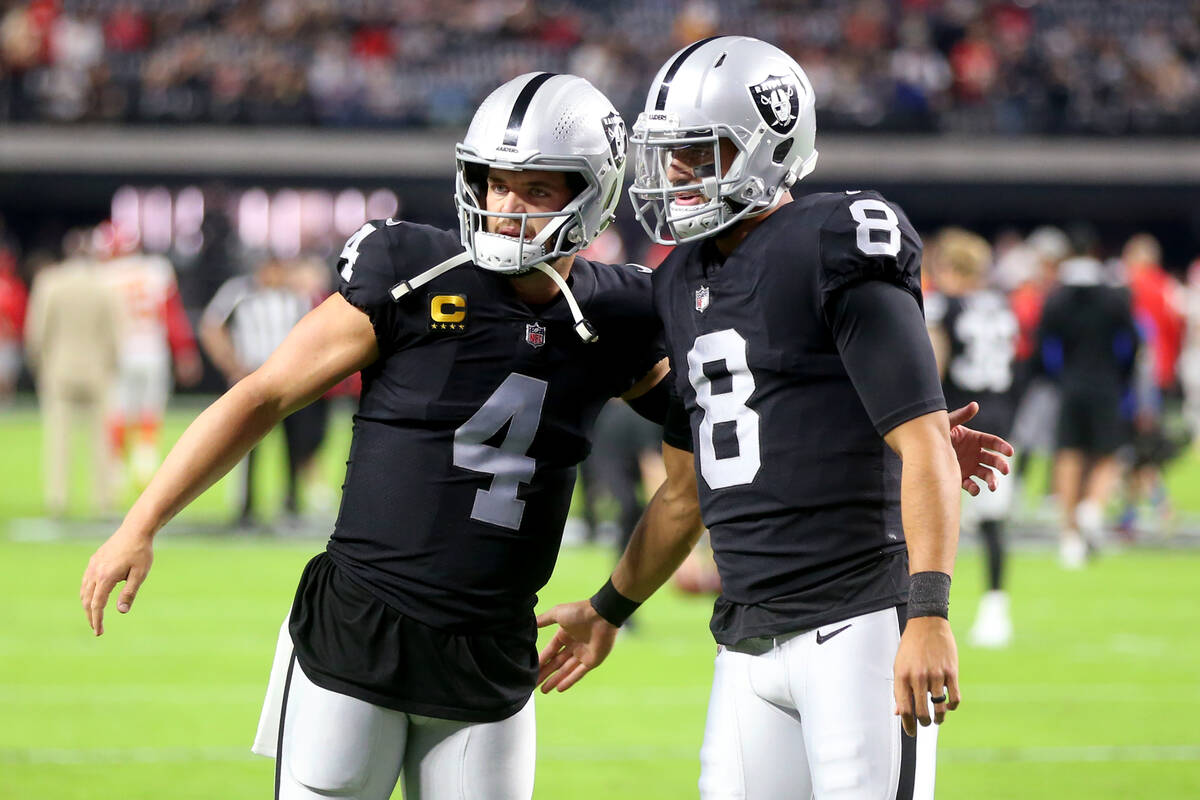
(733, 88)
(541, 121)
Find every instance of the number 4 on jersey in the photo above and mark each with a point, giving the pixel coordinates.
(350, 251)
(516, 402)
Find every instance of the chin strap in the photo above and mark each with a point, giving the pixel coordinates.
(404, 287)
(582, 327)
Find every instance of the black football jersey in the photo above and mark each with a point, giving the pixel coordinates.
(981, 329)
(797, 486)
(471, 424)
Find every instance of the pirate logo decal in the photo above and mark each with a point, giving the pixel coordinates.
(778, 102)
(614, 129)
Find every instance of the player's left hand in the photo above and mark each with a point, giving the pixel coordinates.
(926, 669)
(979, 454)
(583, 640)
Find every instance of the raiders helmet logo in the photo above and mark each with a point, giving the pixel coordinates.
(778, 102)
(614, 129)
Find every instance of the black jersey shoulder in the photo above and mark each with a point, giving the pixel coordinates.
(863, 236)
(379, 255)
(384, 252)
(620, 290)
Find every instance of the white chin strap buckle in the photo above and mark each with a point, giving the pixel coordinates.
(586, 331)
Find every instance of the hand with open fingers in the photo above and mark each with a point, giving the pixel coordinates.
(583, 640)
(979, 454)
(124, 557)
(926, 672)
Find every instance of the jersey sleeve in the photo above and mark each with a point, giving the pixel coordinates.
(867, 238)
(677, 429)
(638, 321)
(880, 334)
(366, 273)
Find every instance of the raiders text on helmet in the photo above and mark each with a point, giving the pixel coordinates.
(736, 88)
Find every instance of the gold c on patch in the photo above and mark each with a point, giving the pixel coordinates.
(448, 313)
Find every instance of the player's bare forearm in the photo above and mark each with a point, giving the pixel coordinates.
(324, 347)
(929, 491)
(331, 342)
(926, 666)
(666, 533)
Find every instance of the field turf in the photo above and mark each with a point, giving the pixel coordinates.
(1097, 698)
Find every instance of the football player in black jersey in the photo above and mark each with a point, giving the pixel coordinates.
(974, 335)
(823, 455)
(410, 647)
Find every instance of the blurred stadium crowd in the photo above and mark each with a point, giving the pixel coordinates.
(1026, 66)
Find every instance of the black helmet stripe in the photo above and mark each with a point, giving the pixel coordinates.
(522, 105)
(671, 70)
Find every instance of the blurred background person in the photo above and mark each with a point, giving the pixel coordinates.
(1037, 394)
(1189, 369)
(73, 341)
(156, 335)
(248, 317)
(1158, 309)
(14, 300)
(1088, 343)
(974, 335)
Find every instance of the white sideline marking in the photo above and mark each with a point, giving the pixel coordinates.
(982, 755)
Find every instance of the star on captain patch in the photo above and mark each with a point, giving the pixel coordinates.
(535, 334)
(702, 299)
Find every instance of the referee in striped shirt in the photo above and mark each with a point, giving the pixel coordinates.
(248, 317)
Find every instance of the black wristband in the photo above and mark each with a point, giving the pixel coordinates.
(929, 595)
(613, 606)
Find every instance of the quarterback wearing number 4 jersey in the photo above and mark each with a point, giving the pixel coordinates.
(822, 454)
(486, 356)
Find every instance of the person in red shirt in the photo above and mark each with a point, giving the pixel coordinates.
(14, 299)
(1158, 309)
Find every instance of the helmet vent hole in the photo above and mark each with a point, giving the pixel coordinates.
(720, 60)
(781, 151)
(567, 123)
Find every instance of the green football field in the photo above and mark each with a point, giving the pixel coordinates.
(1098, 697)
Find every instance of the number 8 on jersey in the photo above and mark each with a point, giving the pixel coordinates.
(719, 372)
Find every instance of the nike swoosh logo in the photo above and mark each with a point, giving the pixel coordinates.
(390, 221)
(823, 639)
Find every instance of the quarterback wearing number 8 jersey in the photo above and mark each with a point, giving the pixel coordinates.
(824, 460)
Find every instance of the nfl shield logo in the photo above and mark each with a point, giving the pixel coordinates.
(535, 334)
(702, 298)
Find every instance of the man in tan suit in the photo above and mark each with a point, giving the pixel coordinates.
(72, 336)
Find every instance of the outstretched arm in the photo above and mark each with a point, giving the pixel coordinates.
(331, 342)
(664, 536)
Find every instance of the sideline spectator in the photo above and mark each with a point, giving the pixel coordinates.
(72, 336)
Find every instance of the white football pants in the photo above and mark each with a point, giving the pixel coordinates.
(814, 720)
(337, 746)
